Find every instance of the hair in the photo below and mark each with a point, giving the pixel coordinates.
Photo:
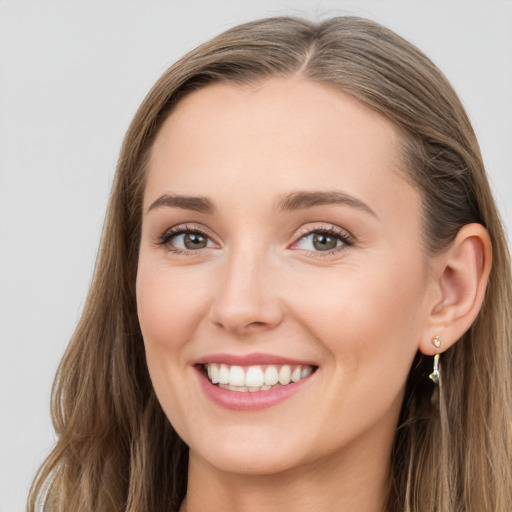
(117, 451)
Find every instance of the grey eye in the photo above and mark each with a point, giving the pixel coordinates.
(190, 241)
(319, 241)
(324, 241)
(194, 241)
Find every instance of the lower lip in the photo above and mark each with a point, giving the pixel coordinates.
(249, 400)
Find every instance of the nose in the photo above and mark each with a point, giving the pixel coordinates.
(247, 299)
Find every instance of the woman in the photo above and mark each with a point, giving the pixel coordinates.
(300, 234)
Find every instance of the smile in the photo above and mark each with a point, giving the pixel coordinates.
(252, 382)
(257, 377)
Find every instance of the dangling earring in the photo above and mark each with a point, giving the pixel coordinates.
(435, 376)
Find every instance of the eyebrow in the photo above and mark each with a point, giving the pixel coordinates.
(197, 204)
(308, 199)
(293, 201)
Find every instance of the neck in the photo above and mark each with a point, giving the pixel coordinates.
(340, 483)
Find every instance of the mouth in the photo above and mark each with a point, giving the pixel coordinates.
(252, 382)
(255, 378)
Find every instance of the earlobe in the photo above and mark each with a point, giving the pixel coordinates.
(461, 274)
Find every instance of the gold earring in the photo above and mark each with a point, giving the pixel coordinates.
(435, 376)
(436, 341)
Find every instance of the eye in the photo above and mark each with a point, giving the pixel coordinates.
(324, 239)
(190, 241)
(183, 239)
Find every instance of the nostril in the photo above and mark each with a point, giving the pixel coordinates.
(242, 327)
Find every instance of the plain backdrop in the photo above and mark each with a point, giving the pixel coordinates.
(72, 74)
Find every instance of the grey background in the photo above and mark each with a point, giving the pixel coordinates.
(72, 74)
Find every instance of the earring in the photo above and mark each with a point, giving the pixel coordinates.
(436, 341)
(435, 376)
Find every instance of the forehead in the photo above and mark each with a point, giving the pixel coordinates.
(270, 138)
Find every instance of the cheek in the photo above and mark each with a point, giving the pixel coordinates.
(368, 323)
(169, 308)
(169, 305)
(366, 315)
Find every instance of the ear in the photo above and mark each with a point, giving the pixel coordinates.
(460, 276)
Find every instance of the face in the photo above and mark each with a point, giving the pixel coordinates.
(281, 254)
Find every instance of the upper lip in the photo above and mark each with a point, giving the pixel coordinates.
(251, 360)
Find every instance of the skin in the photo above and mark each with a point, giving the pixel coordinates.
(360, 313)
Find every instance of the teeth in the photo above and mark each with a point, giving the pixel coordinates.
(255, 378)
(296, 374)
(233, 388)
(236, 376)
(285, 374)
(271, 376)
(223, 374)
(306, 372)
(213, 373)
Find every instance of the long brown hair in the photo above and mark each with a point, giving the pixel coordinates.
(116, 449)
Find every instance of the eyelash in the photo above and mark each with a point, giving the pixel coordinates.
(346, 239)
(164, 240)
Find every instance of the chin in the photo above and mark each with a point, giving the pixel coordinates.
(248, 455)
(246, 464)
